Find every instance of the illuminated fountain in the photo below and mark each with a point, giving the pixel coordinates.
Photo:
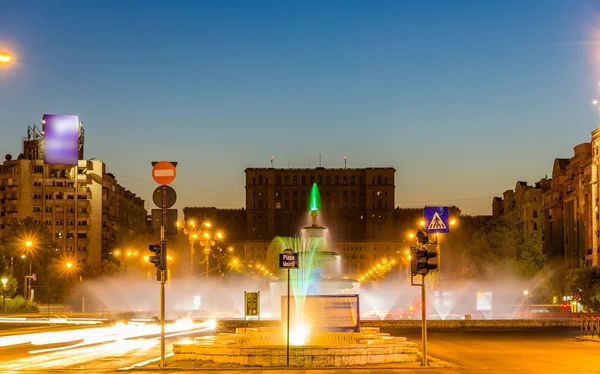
(324, 328)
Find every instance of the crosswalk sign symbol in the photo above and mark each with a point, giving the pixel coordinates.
(436, 219)
(436, 223)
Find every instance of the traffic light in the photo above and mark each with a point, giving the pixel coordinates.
(422, 237)
(413, 261)
(420, 263)
(159, 258)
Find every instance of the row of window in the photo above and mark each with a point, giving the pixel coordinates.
(59, 209)
(319, 180)
(53, 183)
(59, 196)
(326, 193)
(380, 204)
(70, 235)
(60, 222)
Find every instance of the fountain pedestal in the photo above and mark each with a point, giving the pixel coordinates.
(266, 347)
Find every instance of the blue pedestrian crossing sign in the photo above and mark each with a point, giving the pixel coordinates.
(436, 219)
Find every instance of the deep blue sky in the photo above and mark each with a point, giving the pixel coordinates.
(463, 98)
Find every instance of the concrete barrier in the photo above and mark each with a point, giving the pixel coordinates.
(473, 324)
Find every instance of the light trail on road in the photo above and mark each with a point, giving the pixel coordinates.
(97, 344)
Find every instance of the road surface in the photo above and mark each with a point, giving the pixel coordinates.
(521, 351)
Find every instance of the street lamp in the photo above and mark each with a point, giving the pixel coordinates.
(4, 281)
(5, 58)
(29, 248)
(221, 255)
(192, 231)
(70, 267)
(207, 242)
(199, 232)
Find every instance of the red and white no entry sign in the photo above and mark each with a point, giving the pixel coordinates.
(164, 172)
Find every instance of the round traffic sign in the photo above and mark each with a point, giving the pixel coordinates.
(157, 196)
(577, 297)
(164, 172)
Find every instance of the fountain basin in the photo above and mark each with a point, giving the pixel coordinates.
(266, 347)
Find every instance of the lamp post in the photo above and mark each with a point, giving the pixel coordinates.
(220, 257)
(28, 248)
(70, 267)
(207, 242)
(4, 281)
(192, 231)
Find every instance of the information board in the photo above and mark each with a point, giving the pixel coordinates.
(323, 312)
(252, 303)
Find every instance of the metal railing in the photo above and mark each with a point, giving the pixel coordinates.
(590, 326)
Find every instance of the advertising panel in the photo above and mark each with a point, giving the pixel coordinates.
(323, 312)
(61, 139)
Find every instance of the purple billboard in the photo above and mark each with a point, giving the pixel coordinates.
(61, 139)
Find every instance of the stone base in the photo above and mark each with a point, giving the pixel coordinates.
(259, 347)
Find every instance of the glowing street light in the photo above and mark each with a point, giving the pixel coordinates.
(5, 58)
(69, 265)
(29, 246)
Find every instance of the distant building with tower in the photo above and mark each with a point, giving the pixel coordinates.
(86, 222)
(357, 208)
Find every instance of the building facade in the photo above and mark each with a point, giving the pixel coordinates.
(356, 204)
(357, 208)
(87, 212)
(523, 206)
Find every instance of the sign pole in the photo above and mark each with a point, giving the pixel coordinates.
(288, 320)
(288, 260)
(424, 320)
(163, 275)
(245, 307)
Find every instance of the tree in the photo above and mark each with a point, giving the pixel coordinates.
(102, 270)
(586, 283)
(501, 244)
(529, 258)
(26, 237)
(11, 285)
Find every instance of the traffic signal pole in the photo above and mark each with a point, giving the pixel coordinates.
(423, 315)
(163, 276)
(424, 319)
(163, 173)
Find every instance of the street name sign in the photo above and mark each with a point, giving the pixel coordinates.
(288, 260)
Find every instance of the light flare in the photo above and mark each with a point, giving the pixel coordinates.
(299, 335)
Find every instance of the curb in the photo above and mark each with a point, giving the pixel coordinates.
(588, 339)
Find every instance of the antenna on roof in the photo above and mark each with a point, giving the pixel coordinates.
(345, 162)
(272, 161)
(319, 160)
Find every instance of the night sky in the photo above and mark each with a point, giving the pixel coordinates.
(463, 98)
